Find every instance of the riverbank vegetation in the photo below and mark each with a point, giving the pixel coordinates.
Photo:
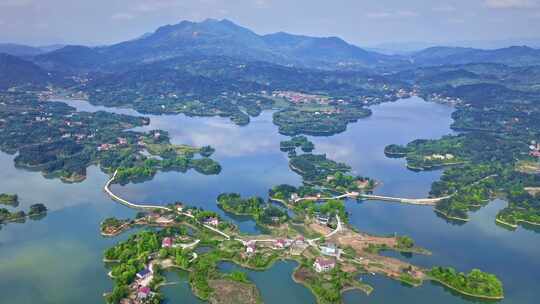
(234, 203)
(301, 142)
(261, 212)
(476, 283)
(424, 154)
(490, 169)
(53, 138)
(9, 199)
(328, 287)
(35, 212)
(318, 120)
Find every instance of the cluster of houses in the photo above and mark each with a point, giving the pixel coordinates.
(534, 149)
(143, 291)
(277, 244)
(323, 264)
(446, 156)
(445, 99)
(297, 97)
(120, 142)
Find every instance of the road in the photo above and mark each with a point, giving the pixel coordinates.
(152, 207)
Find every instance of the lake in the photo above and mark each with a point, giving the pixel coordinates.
(59, 259)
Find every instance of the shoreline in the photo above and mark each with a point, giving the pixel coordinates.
(477, 296)
(451, 217)
(516, 225)
(368, 289)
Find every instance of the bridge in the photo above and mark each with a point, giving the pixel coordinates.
(152, 207)
(411, 201)
(127, 203)
(357, 195)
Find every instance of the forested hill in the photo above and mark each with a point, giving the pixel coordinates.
(16, 72)
(220, 38)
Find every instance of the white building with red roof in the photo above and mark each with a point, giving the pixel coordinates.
(143, 292)
(323, 265)
(250, 248)
(167, 242)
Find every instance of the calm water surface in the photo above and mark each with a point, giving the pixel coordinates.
(58, 259)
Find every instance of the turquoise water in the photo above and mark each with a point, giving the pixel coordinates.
(59, 258)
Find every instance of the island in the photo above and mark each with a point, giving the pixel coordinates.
(480, 166)
(55, 139)
(476, 284)
(329, 253)
(35, 212)
(9, 199)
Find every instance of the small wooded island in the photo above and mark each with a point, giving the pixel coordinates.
(35, 212)
(9, 199)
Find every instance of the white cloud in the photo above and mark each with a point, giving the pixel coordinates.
(147, 6)
(444, 8)
(123, 16)
(396, 14)
(511, 3)
(15, 2)
(456, 20)
(407, 14)
(378, 15)
(262, 3)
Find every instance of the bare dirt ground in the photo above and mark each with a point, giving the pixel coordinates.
(528, 167)
(360, 241)
(231, 292)
(373, 262)
(321, 229)
(533, 190)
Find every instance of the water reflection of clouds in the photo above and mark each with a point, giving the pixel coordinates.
(33, 188)
(229, 139)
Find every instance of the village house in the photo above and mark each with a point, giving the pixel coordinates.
(167, 242)
(323, 219)
(179, 206)
(143, 292)
(104, 147)
(154, 216)
(212, 221)
(122, 141)
(281, 243)
(323, 265)
(535, 149)
(250, 248)
(143, 274)
(329, 249)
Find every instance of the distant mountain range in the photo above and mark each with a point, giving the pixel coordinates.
(222, 38)
(221, 48)
(25, 50)
(15, 71)
(512, 56)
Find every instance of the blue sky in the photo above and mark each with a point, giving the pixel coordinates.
(362, 22)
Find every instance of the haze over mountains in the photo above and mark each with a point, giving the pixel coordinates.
(200, 48)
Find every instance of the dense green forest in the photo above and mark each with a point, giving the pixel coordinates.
(53, 138)
(476, 282)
